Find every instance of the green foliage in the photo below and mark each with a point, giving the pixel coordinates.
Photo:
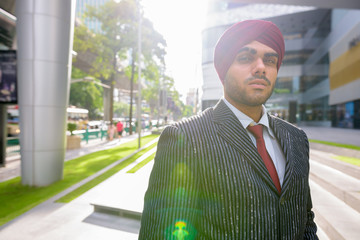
(88, 95)
(16, 198)
(114, 47)
(281, 90)
(188, 111)
(76, 73)
(117, 35)
(71, 127)
(121, 109)
(151, 92)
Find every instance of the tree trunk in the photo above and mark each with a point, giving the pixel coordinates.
(131, 90)
(112, 84)
(106, 102)
(111, 112)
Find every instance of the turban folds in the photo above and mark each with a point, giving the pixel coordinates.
(242, 33)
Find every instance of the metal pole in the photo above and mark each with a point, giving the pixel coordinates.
(139, 77)
(3, 137)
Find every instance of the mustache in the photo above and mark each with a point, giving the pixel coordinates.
(258, 77)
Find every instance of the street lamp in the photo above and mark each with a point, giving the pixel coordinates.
(89, 79)
(139, 76)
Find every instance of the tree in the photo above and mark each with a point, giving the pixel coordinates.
(121, 109)
(86, 95)
(187, 111)
(152, 90)
(153, 51)
(115, 45)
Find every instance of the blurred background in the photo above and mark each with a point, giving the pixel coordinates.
(71, 70)
(82, 65)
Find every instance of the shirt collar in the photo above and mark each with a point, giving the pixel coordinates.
(246, 120)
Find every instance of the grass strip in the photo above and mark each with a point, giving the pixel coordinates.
(17, 199)
(351, 160)
(141, 164)
(87, 186)
(336, 144)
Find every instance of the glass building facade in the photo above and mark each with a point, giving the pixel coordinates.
(81, 6)
(309, 89)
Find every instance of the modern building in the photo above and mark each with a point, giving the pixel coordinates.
(81, 7)
(192, 98)
(319, 80)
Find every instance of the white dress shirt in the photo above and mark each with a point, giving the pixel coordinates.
(272, 145)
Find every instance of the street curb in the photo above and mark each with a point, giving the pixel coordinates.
(335, 150)
(349, 198)
(344, 167)
(327, 227)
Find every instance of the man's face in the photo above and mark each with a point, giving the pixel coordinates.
(251, 77)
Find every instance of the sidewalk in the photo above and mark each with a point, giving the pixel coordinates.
(338, 135)
(13, 168)
(78, 220)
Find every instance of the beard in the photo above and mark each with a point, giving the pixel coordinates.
(243, 96)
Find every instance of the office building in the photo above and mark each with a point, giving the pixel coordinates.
(319, 81)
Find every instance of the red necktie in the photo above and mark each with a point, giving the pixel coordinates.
(257, 131)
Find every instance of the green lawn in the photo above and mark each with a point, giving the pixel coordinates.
(87, 186)
(141, 164)
(336, 144)
(16, 199)
(351, 160)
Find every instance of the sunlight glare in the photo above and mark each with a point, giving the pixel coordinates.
(181, 23)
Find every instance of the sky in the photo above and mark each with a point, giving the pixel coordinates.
(181, 23)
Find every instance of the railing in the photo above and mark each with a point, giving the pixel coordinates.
(12, 146)
(91, 134)
(13, 143)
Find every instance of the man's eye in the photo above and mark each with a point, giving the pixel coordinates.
(270, 61)
(244, 59)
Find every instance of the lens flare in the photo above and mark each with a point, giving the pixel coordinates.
(180, 232)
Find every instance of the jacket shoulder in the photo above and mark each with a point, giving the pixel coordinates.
(193, 127)
(288, 126)
(204, 118)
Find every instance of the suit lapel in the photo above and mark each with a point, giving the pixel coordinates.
(232, 131)
(284, 138)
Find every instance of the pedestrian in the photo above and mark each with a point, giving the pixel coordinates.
(120, 128)
(215, 176)
(111, 131)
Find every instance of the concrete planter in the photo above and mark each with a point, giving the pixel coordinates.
(73, 142)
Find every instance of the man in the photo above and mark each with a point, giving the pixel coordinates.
(215, 176)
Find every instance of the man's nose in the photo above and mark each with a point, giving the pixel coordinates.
(259, 67)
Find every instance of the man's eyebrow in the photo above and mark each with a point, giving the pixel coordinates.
(271, 55)
(247, 49)
(253, 51)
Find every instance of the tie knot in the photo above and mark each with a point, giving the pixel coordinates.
(256, 130)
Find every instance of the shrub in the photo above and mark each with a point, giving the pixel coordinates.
(71, 127)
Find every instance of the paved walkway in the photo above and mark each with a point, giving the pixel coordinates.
(13, 164)
(77, 219)
(338, 135)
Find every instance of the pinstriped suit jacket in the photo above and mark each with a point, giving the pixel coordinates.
(209, 182)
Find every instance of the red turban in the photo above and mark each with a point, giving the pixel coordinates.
(242, 33)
